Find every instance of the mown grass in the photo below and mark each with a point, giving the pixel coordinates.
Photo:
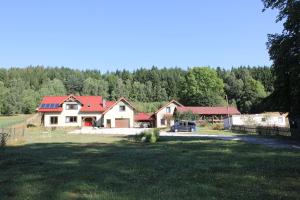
(210, 131)
(8, 121)
(60, 166)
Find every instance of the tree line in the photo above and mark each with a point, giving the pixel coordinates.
(21, 89)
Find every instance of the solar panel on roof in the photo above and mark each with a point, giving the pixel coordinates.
(51, 105)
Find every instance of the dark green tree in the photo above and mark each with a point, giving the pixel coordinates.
(3, 93)
(284, 50)
(202, 86)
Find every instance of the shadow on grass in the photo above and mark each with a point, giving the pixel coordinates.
(177, 168)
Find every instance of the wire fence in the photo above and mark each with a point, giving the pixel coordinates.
(262, 130)
(11, 135)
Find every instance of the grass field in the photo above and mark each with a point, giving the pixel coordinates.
(61, 166)
(8, 121)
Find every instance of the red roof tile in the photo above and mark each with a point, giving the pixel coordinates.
(50, 109)
(89, 103)
(111, 104)
(143, 116)
(209, 110)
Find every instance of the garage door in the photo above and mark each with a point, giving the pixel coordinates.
(122, 123)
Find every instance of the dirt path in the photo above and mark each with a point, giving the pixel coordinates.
(270, 142)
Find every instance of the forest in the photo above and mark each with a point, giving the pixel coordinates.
(21, 89)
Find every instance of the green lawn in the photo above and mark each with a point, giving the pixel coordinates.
(7, 121)
(209, 131)
(60, 166)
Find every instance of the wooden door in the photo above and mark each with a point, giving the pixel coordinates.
(108, 123)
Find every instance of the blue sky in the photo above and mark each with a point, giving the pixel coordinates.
(118, 34)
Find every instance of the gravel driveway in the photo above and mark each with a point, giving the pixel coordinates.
(108, 131)
(271, 142)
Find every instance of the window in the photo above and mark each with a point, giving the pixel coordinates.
(168, 109)
(71, 119)
(263, 119)
(163, 122)
(122, 108)
(71, 106)
(53, 120)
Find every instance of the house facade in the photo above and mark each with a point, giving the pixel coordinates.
(164, 117)
(81, 111)
(263, 119)
(78, 111)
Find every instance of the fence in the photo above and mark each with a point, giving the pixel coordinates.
(262, 130)
(11, 135)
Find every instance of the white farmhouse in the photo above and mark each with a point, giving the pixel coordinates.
(78, 111)
(164, 116)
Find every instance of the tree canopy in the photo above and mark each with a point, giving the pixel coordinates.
(21, 89)
(202, 86)
(284, 51)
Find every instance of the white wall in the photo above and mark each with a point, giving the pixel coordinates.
(62, 116)
(256, 120)
(160, 115)
(114, 113)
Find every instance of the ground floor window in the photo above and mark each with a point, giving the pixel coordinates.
(54, 120)
(71, 119)
(163, 122)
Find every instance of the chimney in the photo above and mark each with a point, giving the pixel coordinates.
(104, 103)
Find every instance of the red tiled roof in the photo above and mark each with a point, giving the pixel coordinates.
(89, 103)
(143, 116)
(172, 101)
(111, 104)
(53, 99)
(210, 110)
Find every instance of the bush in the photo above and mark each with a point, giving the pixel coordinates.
(30, 125)
(150, 136)
(3, 139)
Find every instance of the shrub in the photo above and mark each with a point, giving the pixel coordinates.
(3, 139)
(156, 132)
(30, 125)
(150, 136)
